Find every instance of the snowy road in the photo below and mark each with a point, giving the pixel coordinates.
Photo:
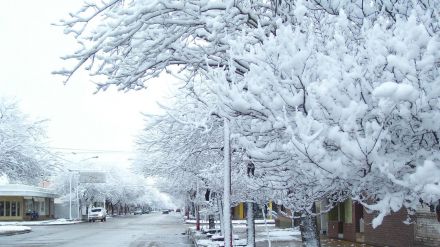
(150, 230)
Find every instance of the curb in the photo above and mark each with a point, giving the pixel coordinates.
(58, 224)
(191, 236)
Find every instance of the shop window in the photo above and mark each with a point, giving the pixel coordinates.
(13, 209)
(28, 206)
(2, 208)
(18, 209)
(42, 210)
(8, 208)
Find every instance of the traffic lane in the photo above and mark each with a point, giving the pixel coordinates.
(141, 230)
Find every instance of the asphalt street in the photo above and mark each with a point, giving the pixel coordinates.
(149, 230)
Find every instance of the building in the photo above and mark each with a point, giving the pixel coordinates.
(239, 212)
(351, 221)
(18, 202)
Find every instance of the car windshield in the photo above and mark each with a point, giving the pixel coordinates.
(96, 210)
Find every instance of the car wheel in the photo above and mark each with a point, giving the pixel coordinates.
(93, 220)
(105, 219)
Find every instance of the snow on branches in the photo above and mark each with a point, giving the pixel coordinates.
(331, 98)
(23, 155)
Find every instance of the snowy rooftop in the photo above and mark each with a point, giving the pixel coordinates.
(25, 190)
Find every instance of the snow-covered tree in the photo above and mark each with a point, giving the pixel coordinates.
(24, 157)
(338, 107)
(335, 94)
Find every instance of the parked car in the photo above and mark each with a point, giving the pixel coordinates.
(178, 210)
(97, 213)
(145, 211)
(137, 211)
(166, 211)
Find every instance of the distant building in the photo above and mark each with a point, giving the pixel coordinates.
(19, 202)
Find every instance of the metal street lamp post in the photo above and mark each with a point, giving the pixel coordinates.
(70, 187)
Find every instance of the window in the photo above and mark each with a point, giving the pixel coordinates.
(18, 208)
(2, 208)
(13, 209)
(8, 209)
(42, 210)
(28, 206)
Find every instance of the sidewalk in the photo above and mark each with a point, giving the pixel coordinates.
(278, 238)
(19, 227)
(39, 222)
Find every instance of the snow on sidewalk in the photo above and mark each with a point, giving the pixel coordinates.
(276, 235)
(42, 222)
(235, 222)
(8, 230)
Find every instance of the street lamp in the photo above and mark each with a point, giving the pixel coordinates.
(70, 187)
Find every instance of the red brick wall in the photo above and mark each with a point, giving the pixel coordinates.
(427, 229)
(349, 232)
(350, 228)
(392, 232)
(333, 229)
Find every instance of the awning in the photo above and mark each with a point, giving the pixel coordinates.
(25, 190)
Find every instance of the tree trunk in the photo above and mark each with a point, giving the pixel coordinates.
(211, 221)
(309, 230)
(250, 222)
(197, 218)
(227, 184)
(220, 211)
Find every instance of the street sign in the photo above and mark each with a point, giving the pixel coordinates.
(92, 177)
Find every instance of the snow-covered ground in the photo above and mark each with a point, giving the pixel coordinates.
(275, 235)
(42, 222)
(235, 222)
(13, 229)
(288, 234)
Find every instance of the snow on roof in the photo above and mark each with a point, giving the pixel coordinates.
(25, 190)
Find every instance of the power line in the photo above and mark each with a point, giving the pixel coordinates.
(82, 150)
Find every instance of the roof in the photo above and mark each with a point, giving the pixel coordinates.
(25, 190)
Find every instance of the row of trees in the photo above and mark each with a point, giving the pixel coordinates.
(327, 99)
(24, 156)
(122, 189)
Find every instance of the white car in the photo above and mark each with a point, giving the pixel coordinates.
(97, 213)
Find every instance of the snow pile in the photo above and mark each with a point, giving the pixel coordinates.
(14, 229)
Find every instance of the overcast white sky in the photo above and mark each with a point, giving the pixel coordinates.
(30, 48)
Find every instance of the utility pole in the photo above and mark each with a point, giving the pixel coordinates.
(227, 183)
(70, 185)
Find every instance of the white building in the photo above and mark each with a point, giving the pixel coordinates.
(18, 202)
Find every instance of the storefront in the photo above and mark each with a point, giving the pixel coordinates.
(24, 202)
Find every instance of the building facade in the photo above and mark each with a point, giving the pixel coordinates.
(351, 221)
(23, 202)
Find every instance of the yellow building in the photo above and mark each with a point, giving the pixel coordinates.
(20, 202)
(239, 211)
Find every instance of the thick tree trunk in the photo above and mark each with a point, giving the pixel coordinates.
(309, 230)
(250, 221)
